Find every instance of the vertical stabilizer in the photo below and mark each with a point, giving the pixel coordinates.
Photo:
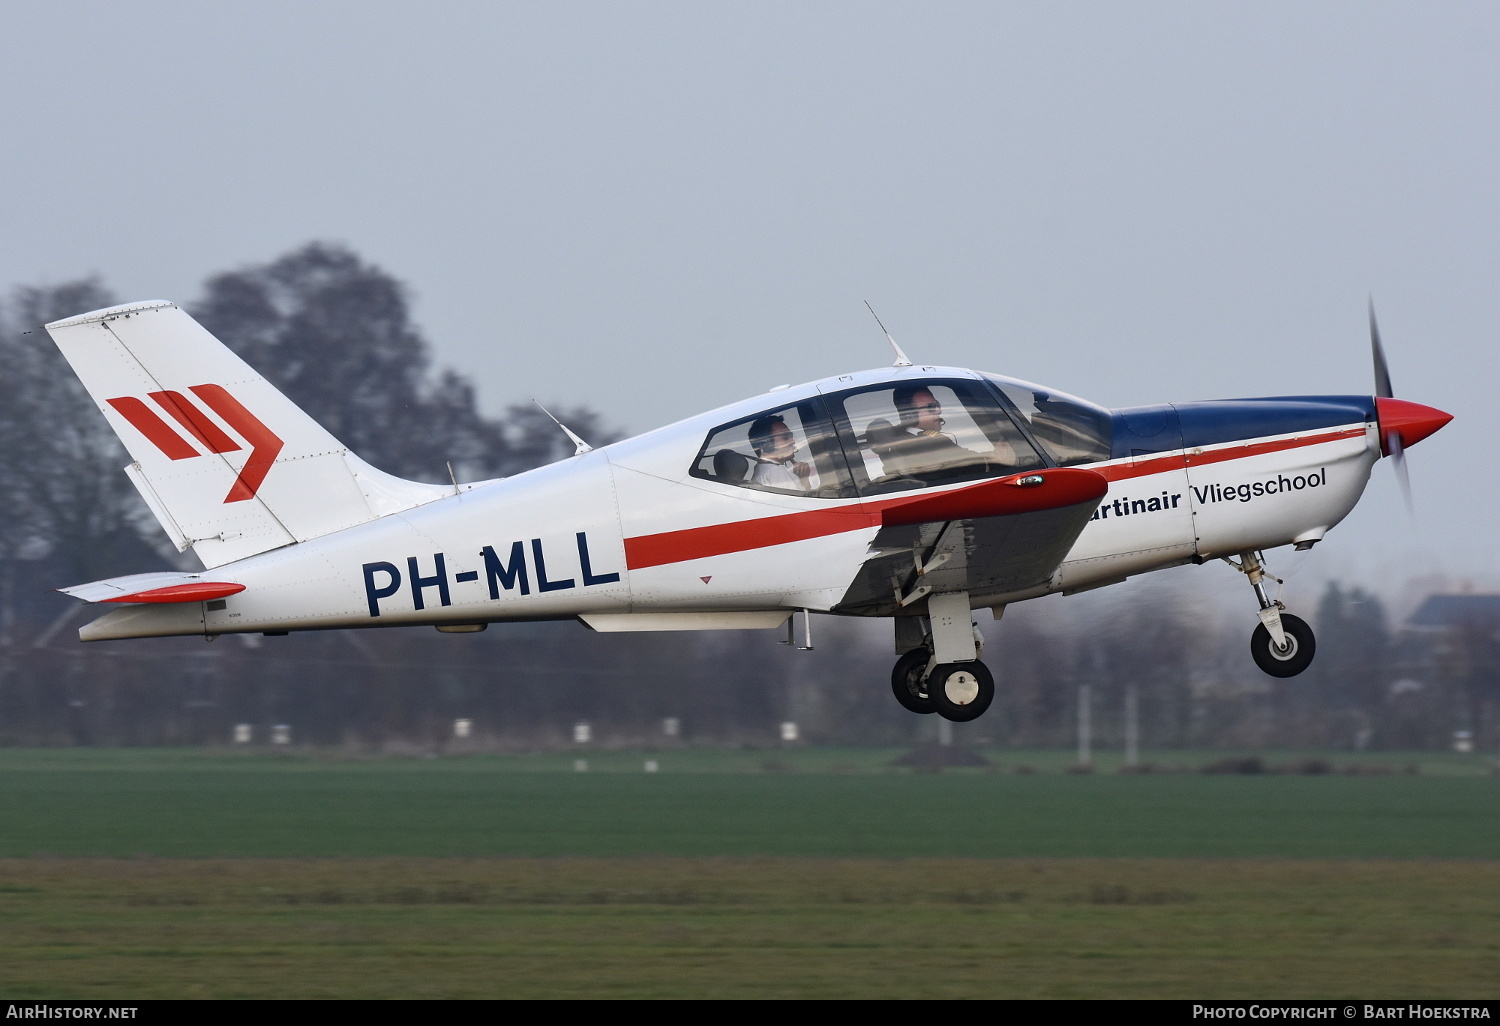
(228, 464)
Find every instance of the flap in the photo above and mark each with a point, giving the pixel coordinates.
(1001, 555)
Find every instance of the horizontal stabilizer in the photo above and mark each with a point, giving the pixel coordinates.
(160, 587)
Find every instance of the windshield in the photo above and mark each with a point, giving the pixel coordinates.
(1072, 430)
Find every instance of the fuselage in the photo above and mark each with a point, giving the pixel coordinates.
(690, 518)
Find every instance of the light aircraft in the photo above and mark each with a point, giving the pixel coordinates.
(917, 493)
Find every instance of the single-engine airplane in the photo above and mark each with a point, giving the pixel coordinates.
(918, 493)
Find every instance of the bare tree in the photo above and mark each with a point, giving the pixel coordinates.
(335, 334)
(60, 464)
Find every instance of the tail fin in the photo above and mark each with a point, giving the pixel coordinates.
(228, 464)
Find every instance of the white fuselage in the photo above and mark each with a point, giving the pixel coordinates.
(626, 531)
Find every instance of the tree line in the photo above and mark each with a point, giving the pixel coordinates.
(335, 334)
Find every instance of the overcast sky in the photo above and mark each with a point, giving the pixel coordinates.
(654, 208)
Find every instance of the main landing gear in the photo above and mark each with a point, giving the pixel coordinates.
(955, 691)
(959, 689)
(1282, 645)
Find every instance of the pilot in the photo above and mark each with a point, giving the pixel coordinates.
(918, 445)
(775, 451)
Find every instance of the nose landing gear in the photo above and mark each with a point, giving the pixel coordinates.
(1290, 658)
(1282, 645)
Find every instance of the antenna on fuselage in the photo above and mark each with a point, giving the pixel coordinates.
(902, 360)
(579, 445)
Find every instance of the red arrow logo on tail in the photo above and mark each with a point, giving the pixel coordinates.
(264, 444)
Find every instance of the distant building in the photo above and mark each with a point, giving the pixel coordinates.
(1449, 659)
(1447, 612)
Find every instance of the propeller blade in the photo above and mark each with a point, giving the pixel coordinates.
(1382, 373)
(1397, 450)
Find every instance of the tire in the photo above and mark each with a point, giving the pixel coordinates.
(906, 681)
(1301, 647)
(961, 691)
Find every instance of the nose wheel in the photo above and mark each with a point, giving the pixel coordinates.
(1283, 644)
(1289, 658)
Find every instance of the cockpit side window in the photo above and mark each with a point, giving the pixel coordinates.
(791, 450)
(1071, 430)
(918, 434)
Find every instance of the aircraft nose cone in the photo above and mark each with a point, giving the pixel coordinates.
(1412, 422)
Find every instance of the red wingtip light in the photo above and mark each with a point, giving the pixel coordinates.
(1412, 422)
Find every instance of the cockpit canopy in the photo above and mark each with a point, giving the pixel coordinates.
(904, 434)
(1073, 431)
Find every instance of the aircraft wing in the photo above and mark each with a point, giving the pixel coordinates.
(982, 539)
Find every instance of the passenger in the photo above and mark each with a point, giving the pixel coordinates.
(775, 451)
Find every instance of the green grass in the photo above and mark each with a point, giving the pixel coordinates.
(144, 928)
(798, 872)
(192, 804)
(691, 759)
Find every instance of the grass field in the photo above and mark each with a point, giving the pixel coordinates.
(69, 802)
(806, 872)
(748, 928)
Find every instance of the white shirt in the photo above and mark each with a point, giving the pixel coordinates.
(778, 475)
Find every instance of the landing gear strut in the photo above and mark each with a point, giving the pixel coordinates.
(1283, 645)
(939, 669)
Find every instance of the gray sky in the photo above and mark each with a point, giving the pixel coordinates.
(654, 208)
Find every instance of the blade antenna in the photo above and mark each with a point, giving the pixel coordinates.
(902, 360)
(579, 445)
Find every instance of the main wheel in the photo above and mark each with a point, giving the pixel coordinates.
(1291, 660)
(961, 691)
(906, 681)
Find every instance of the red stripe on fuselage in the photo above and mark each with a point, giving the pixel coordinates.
(1044, 489)
(1181, 461)
(716, 540)
(650, 550)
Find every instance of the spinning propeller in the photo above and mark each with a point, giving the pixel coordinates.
(1402, 423)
